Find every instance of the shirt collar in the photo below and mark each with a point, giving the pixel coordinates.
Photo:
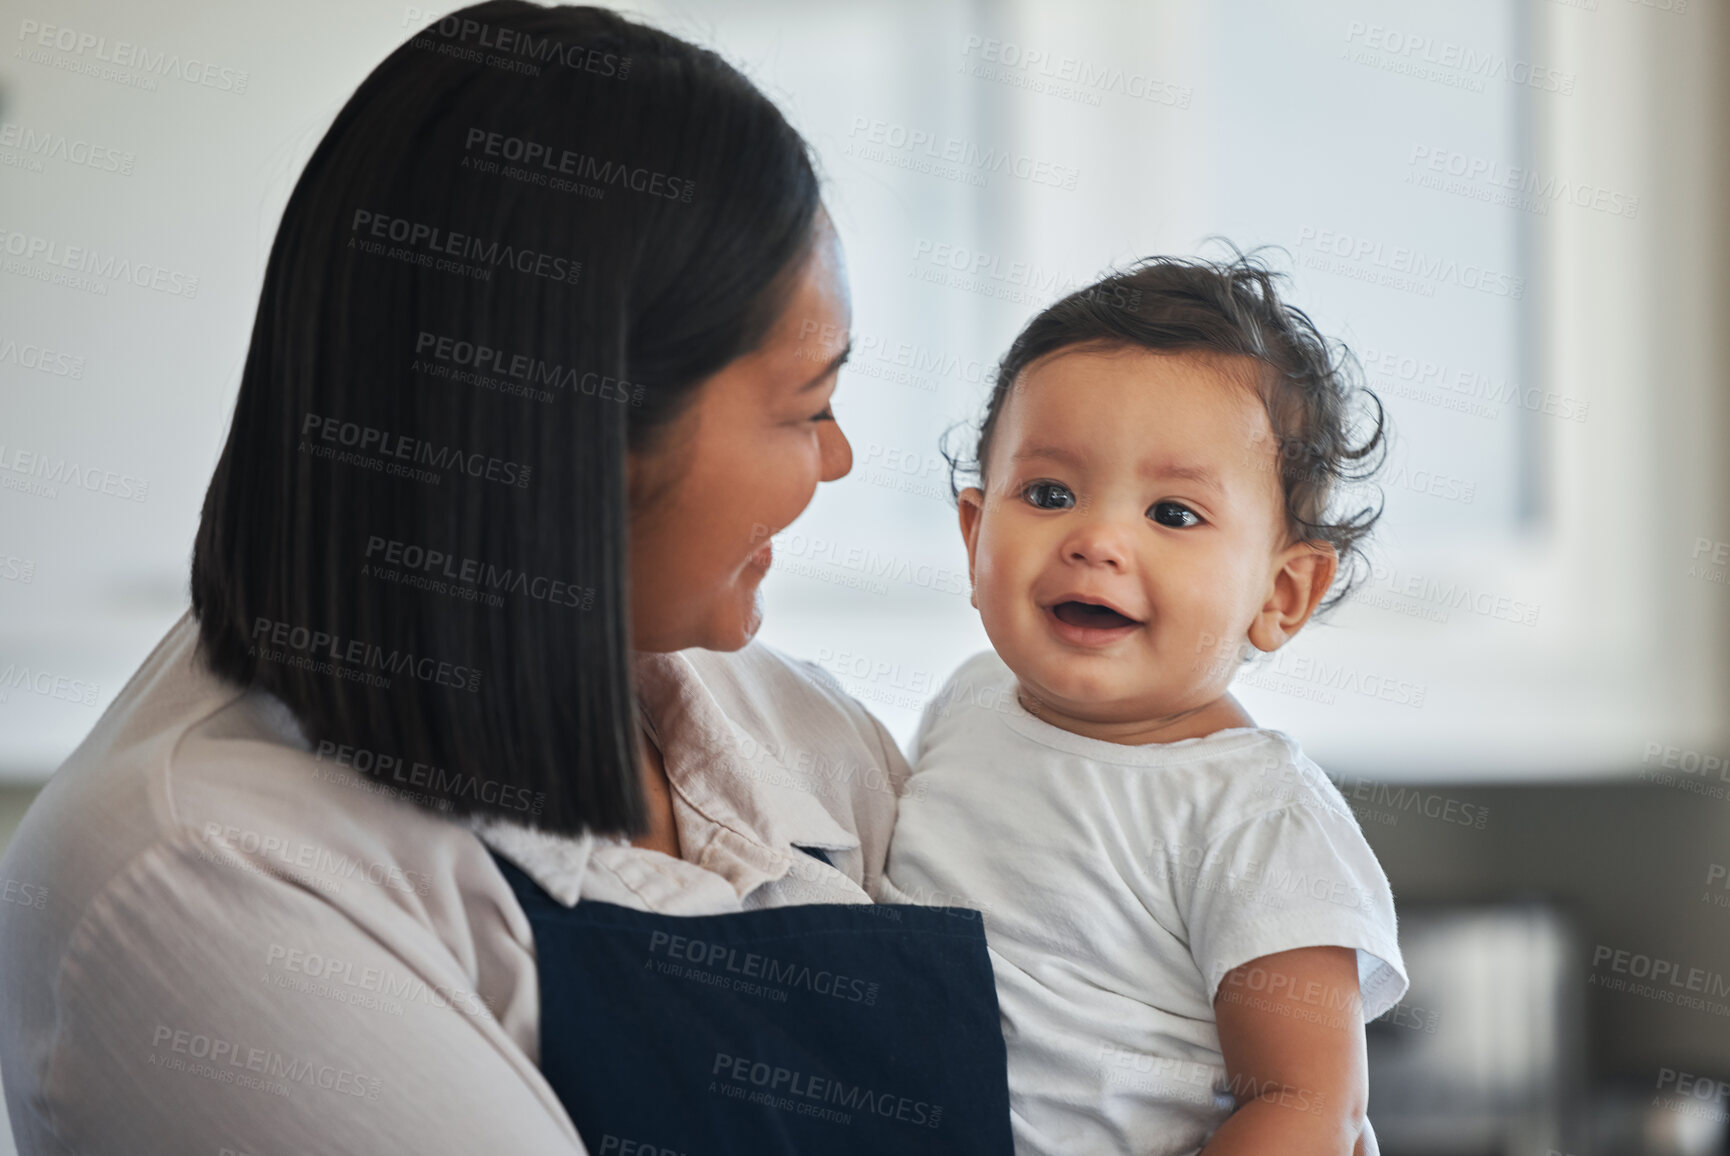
(738, 781)
(744, 812)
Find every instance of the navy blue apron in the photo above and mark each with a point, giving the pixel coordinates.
(827, 1029)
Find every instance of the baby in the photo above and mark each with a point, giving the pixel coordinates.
(1188, 929)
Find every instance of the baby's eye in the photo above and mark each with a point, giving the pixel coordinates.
(1173, 514)
(1048, 495)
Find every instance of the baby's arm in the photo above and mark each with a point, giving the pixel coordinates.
(1291, 1031)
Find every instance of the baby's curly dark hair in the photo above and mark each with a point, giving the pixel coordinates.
(1313, 388)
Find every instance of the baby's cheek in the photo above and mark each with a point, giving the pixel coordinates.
(1211, 642)
(992, 595)
(994, 571)
(1000, 593)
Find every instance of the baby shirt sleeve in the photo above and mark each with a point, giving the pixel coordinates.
(1298, 876)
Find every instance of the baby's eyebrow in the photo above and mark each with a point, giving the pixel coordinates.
(1204, 476)
(1200, 475)
(1049, 453)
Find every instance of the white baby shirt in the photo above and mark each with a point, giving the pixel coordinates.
(1119, 885)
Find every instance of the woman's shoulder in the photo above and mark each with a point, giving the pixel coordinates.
(196, 864)
(188, 787)
(183, 756)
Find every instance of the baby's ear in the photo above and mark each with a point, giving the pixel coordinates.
(970, 505)
(1303, 573)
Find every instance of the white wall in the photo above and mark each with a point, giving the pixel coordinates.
(1306, 126)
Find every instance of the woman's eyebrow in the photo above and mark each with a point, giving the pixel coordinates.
(834, 364)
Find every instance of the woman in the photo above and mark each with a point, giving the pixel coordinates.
(427, 830)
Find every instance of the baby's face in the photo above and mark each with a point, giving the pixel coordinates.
(1131, 532)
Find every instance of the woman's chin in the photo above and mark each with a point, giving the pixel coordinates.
(753, 618)
(734, 627)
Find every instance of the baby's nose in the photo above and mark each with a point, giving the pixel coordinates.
(1101, 543)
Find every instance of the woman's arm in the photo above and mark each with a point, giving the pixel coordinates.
(206, 1008)
(1291, 1031)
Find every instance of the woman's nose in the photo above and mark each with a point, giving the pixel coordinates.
(836, 451)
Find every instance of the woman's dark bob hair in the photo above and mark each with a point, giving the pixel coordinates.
(526, 239)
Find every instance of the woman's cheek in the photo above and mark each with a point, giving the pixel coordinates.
(796, 472)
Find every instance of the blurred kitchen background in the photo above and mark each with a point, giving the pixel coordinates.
(1513, 211)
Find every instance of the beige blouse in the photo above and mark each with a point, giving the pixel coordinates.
(218, 938)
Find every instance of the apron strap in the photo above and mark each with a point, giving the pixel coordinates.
(531, 895)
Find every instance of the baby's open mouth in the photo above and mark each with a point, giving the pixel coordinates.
(1091, 615)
